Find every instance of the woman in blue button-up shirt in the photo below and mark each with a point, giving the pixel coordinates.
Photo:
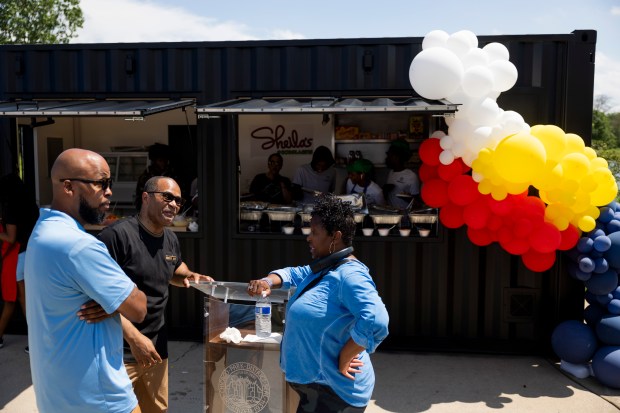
(334, 319)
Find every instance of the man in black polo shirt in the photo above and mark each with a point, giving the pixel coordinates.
(150, 255)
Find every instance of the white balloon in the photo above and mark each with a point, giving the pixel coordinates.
(435, 73)
(478, 139)
(458, 96)
(435, 38)
(478, 81)
(462, 42)
(446, 142)
(504, 74)
(446, 157)
(512, 122)
(449, 120)
(438, 134)
(483, 112)
(496, 51)
(477, 176)
(475, 57)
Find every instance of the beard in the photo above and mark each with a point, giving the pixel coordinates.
(89, 214)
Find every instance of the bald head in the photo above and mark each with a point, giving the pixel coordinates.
(74, 176)
(77, 163)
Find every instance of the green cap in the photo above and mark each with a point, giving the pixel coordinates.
(360, 166)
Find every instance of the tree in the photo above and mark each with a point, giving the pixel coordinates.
(602, 103)
(39, 21)
(602, 134)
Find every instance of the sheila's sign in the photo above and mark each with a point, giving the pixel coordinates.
(295, 137)
(278, 139)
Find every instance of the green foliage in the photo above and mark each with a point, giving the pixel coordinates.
(39, 21)
(602, 133)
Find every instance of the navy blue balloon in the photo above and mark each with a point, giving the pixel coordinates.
(591, 298)
(608, 329)
(593, 314)
(603, 299)
(604, 283)
(607, 214)
(606, 366)
(596, 233)
(585, 244)
(586, 264)
(614, 306)
(616, 293)
(600, 265)
(582, 276)
(613, 253)
(573, 341)
(602, 243)
(613, 226)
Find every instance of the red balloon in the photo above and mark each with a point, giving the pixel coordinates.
(449, 172)
(451, 216)
(427, 172)
(495, 223)
(501, 208)
(481, 237)
(545, 238)
(515, 246)
(570, 237)
(435, 193)
(522, 227)
(463, 190)
(429, 151)
(476, 214)
(538, 261)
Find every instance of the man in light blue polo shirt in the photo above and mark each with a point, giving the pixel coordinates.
(77, 366)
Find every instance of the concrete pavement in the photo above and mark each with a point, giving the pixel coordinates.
(406, 383)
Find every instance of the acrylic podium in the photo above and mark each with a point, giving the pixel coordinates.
(243, 377)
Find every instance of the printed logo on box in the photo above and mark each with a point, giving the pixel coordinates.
(244, 388)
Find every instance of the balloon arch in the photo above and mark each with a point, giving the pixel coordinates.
(534, 190)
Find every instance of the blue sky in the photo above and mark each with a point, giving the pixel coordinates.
(205, 20)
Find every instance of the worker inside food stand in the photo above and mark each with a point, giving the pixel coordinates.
(159, 157)
(271, 186)
(361, 172)
(402, 186)
(319, 176)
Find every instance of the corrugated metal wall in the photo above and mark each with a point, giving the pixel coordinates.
(445, 294)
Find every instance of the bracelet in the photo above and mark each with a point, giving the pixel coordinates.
(268, 281)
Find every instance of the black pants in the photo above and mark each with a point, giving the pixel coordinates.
(316, 398)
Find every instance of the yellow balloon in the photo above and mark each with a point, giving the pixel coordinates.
(552, 138)
(575, 165)
(586, 223)
(598, 163)
(549, 177)
(498, 193)
(561, 223)
(574, 143)
(589, 152)
(485, 187)
(519, 158)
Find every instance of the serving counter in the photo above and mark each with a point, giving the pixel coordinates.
(242, 373)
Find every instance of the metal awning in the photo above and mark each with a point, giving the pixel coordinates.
(128, 108)
(326, 105)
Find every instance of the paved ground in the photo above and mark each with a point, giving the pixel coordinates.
(406, 383)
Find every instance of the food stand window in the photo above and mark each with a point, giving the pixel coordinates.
(294, 127)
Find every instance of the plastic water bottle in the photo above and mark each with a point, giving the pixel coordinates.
(262, 313)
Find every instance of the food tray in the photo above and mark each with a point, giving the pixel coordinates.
(359, 218)
(305, 217)
(251, 215)
(422, 218)
(386, 219)
(281, 215)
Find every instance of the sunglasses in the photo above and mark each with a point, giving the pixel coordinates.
(104, 184)
(168, 197)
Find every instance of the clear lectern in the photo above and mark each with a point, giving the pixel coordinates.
(242, 377)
